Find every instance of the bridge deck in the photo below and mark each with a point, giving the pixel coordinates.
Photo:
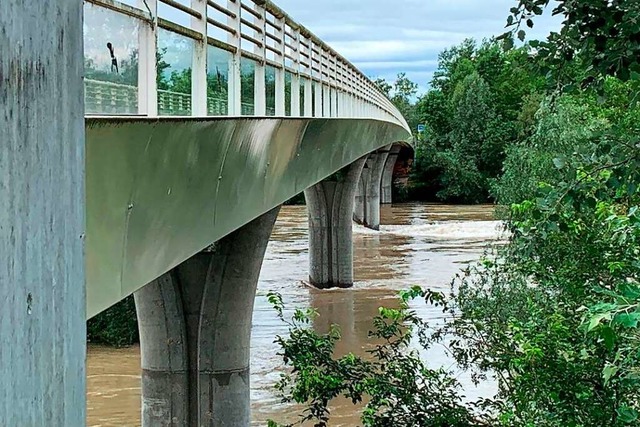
(160, 190)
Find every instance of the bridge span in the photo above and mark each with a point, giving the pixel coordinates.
(168, 193)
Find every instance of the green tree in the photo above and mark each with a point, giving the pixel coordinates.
(471, 142)
(563, 129)
(473, 115)
(161, 67)
(402, 94)
(116, 326)
(601, 37)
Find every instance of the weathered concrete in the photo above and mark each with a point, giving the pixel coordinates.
(367, 200)
(195, 333)
(42, 287)
(330, 205)
(386, 184)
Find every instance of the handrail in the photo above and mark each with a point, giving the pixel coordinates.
(275, 39)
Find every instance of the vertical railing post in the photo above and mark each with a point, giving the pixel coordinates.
(349, 95)
(295, 77)
(147, 60)
(356, 95)
(341, 88)
(326, 89)
(199, 66)
(363, 97)
(259, 87)
(308, 97)
(365, 102)
(357, 106)
(318, 84)
(280, 72)
(234, 89)
(335, 92)
(308, 83)
(331, 90)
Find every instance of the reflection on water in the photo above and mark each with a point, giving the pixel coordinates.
(422, 244)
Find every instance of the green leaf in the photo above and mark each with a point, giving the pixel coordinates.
(521, 35)
(608, 372)
(594, 322)
(627, 320)
(627, 415)
(560, 162)
(609, 337)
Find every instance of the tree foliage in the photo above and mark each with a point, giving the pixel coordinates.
(472, 113)
(602, 36)
(402, 93)
(552, 316)
(400, 389)
(116, 326)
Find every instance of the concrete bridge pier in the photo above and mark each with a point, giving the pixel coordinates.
(42, 214)
(367, 200)
(195, 333)
(330, 205)
(386, 184)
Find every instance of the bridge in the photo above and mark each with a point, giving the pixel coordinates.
(115, 181)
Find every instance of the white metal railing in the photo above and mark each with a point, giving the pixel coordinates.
(322, 83)
(102, 97)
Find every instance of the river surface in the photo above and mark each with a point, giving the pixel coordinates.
(418, 244)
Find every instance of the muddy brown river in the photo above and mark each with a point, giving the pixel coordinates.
(418, 244)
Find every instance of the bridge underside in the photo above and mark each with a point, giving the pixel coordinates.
(161, 190)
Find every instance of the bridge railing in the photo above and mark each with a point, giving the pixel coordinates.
(217, 57)
(102, 97)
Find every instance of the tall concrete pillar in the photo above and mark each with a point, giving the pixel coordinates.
(195, 333)
(330, 205)
(386, 184)
(367, 200)
(42, 319)
(359, 207)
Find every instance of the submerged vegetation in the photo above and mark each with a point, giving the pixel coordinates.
(551, 131)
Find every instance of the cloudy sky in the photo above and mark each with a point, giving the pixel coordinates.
(384, 37)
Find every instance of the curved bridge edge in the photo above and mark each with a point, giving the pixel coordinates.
(160, 190)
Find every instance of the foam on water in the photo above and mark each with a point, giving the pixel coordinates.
(442, 230)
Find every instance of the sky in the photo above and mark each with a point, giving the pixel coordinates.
(385, 37)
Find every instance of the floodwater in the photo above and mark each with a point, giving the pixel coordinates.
(419, 244)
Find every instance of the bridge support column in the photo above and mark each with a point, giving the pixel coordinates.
(195, 333)
(330, 206)
(42, 214)
(367, 200)
(386, 185)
